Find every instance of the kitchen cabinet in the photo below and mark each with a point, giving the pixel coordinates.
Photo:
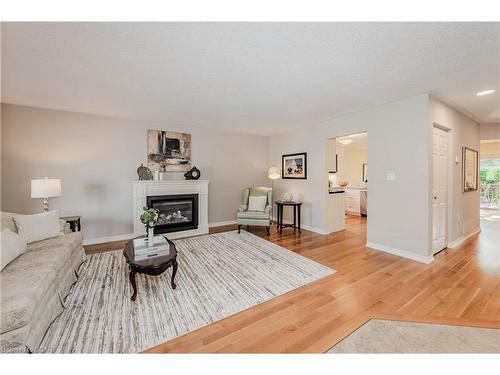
(352, 201)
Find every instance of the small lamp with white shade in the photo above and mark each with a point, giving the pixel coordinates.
(45, 188)
(273, 174)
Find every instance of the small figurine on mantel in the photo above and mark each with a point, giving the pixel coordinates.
(144, 173)
(192, 174)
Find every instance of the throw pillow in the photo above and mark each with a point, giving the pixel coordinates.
(257, 203)
(13, 245)
(39, 226)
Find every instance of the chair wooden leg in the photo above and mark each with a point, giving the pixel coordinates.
(267, 230)
(248, 228)
(239, 228)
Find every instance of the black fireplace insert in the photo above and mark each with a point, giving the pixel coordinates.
(176, 212)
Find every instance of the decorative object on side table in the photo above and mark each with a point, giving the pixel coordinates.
(149, 218)
(288, 197)
(343, 183)
(294, 166)
(296, 214)
(46, 188)
(192, 174)
(150, 263)
(74, 223)
(470, 169)
(144, 173)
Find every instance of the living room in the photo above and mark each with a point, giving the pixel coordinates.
(165, 187)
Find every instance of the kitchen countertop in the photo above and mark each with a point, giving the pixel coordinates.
(335, 191)
(350, 188)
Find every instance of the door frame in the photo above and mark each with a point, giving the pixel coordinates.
(449, 183)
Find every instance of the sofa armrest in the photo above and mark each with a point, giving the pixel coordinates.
(243, 208)
(268, 208)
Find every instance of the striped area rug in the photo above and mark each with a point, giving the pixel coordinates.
(219, 275)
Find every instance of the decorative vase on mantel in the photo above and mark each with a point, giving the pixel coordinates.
(151, 236)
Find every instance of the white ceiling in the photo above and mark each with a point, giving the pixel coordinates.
(259, 78)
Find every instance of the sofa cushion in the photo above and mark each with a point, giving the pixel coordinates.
(71, 241)
(6, 221)
(38, 227)
(23, 288)
(13, 245)
(28, 278)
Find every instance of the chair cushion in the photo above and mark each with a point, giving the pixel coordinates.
(259, 191)
(257, 203)
(260, 215)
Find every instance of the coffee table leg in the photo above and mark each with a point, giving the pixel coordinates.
(174, 271)
(134, 285)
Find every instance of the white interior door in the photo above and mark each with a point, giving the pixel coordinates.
(439, 188)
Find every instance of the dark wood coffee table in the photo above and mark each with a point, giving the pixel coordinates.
(152, 266)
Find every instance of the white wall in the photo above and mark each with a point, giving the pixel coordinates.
(350, 164)
(398, 142)
(96, 157)
(463, 131)
(489, 132)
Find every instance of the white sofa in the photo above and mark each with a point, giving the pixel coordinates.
(34, 286)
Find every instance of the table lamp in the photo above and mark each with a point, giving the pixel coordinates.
(45, 188)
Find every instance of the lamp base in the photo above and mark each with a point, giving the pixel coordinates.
(45, 204)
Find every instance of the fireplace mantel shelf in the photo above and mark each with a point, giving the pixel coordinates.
(144, 188)
(172, 182)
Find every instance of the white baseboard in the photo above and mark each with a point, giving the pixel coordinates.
(313, 229)
(461, 240)
(174, 235)
(221, 223)
(401, 253)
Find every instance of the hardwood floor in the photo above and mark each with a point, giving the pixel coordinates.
(462, 286)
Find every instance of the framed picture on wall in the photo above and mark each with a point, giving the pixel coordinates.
(294, 166)
(365, 171)
(470, 169)
(169, 151)
(335, 168)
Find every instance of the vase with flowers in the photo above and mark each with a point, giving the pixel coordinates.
(149, 218)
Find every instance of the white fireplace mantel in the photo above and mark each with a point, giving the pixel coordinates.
(143, 189)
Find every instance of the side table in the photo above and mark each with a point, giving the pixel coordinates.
(296, 214)
(74, 223)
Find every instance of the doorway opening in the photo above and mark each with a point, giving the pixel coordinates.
(489, 181)
(347, 163)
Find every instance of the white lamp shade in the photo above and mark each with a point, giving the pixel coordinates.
(273, 173)
(45, 188)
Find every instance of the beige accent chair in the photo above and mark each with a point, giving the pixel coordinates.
(259, 218)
